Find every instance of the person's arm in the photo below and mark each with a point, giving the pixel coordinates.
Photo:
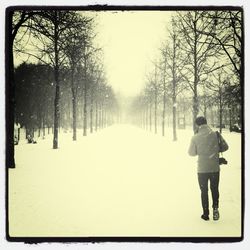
(192, 151)
(223, 144)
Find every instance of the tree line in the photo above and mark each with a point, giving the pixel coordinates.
(198, 71)
(67, 81)
(35, 102)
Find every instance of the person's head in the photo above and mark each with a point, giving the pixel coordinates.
(200, 120)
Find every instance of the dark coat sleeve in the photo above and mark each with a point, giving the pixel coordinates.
(223, 146)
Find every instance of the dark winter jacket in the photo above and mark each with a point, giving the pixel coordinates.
(205, 145)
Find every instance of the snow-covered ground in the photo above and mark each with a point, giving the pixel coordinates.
(121, 181)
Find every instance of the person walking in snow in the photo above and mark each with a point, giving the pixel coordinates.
(205, 144)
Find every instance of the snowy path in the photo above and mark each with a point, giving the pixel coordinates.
(122, 181)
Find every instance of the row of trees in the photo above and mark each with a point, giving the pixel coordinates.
(35, 95)
(199, 69)
(68, 68)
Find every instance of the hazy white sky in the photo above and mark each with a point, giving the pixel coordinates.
(130, 40)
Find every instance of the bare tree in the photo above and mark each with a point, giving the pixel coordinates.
(74, 49)
(149, 103)
(199, 50)
(52, 29)
(206, 99)
(15, 20)
(164, 89)
(218, 85)
(88, 51)
(154, 86)
(96, 79)
(226, 29)
(173, 65)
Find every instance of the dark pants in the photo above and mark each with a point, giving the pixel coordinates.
(203, 179)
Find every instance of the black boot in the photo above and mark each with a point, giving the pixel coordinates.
(216, 214)
(205, 216)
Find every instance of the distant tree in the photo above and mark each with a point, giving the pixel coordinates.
(24, 96)
(148, 93)
(96, 77)
(232, 96)
(163, 68)
(154, 86)
(33, 96)
(173, 65)
(74, 49)
(206, 99)
(88, 52)
(217, 85)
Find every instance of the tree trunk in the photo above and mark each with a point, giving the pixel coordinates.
(230, 118)
(195, 97)
(146, 118)
(18, 134)
(164, 111)
(26, 132)
(85, 110)
(205, 110)
(74, 99)
(174, 90)
(150, 116)
(85, 95)
(40, 125)
(100, 117)
(103, 117)
(195, 109)
(56, 114)
(91, 110)
(96, 115)
(10, 99)
(155, 111)
(220, 109)
(174, 110)
(57, 94)
(43, 126)
(164, 99)
(74, 114)
(174, 120)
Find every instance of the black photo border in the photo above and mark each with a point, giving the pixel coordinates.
(31, 240)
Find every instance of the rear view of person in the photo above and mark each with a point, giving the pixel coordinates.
(205, 144)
